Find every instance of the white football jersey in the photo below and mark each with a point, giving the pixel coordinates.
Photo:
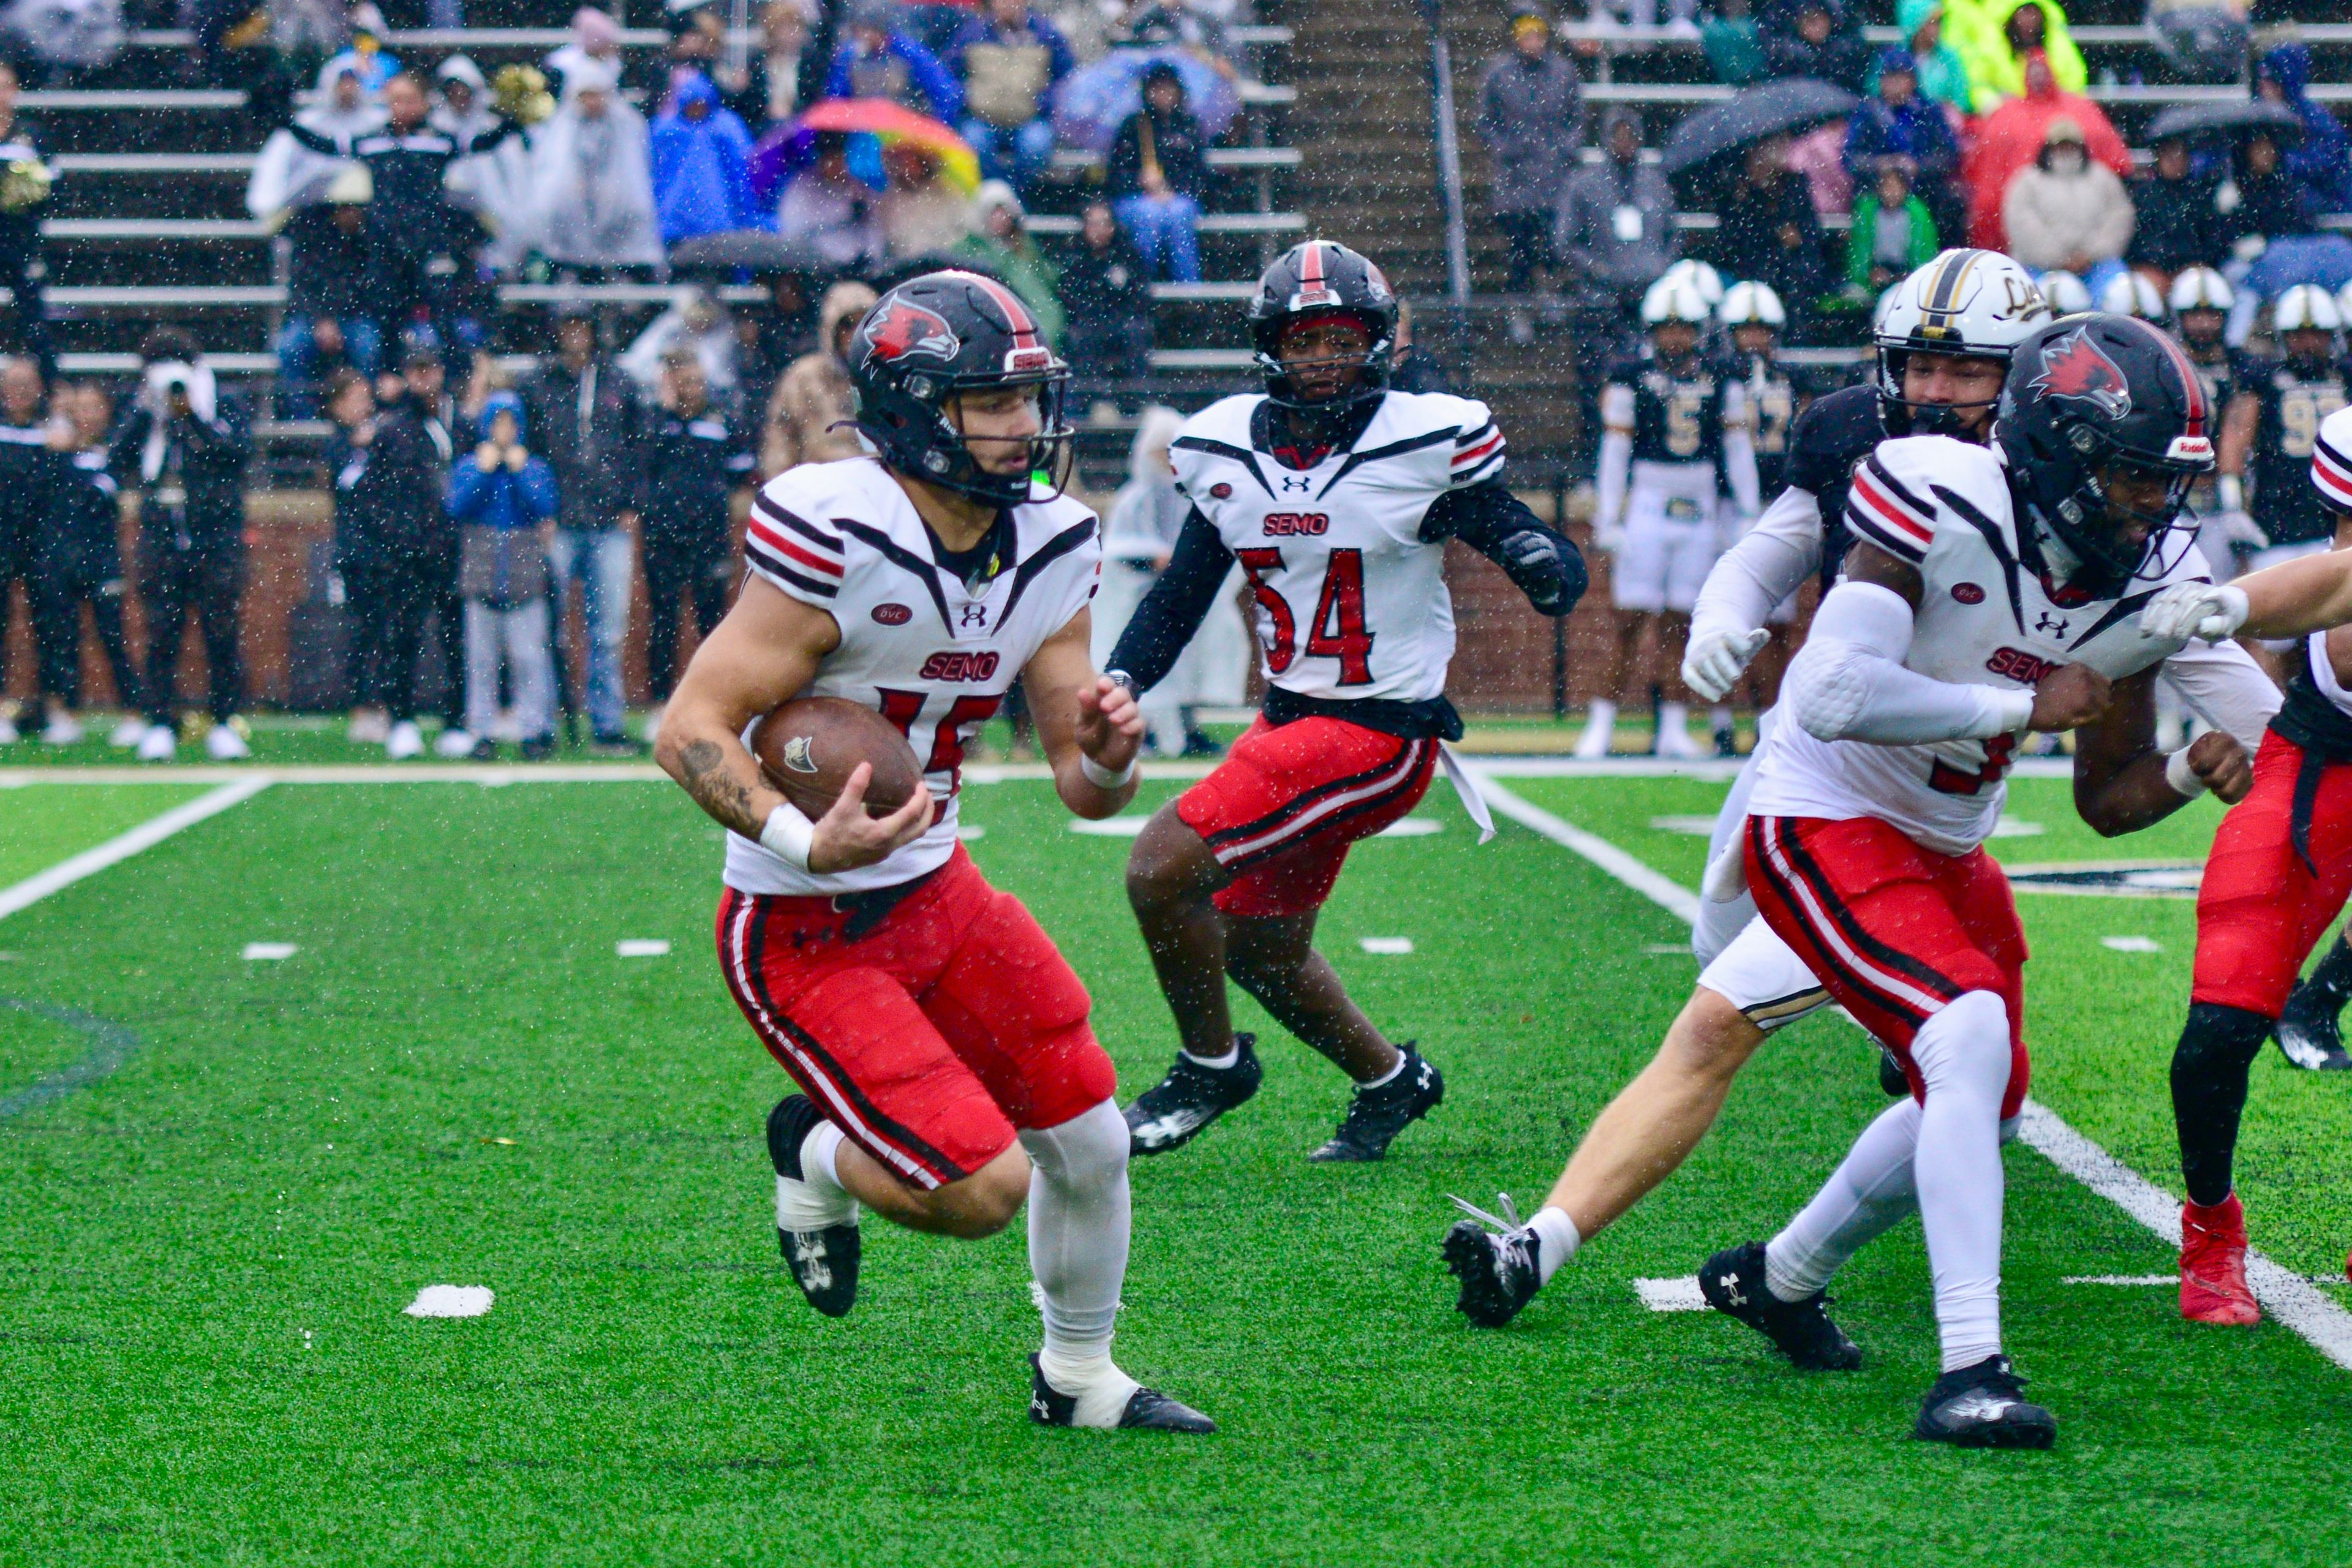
(1351, 604)
(932, 653)
(1984, 619)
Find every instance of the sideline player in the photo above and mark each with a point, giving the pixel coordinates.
(1336, 495)
(1675, 432)
(2278, 875)
(942, 1043)
(1777, 394)
(1864, 838)
(2269, 428)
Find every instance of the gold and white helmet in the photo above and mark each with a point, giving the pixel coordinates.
(1976, 304)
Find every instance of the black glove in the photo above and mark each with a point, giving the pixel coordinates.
(1551, 576)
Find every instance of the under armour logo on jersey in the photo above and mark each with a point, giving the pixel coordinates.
(1290, 482)
(2053, 625)
(972, 615)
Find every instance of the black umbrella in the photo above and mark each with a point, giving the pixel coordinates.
(1798, 103)
(755, 249)
(2226, 114)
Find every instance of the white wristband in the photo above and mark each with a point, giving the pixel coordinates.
(2181, 776)
(2230, 492)
(787, 836)
(1102, 777)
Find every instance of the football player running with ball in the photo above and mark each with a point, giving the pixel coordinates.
(2280, 870)
(947, 1066)
(1336, 495)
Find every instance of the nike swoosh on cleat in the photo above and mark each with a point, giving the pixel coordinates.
(1175, 1124)
(1980, 1407)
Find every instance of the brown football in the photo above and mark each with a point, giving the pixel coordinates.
(808, 748)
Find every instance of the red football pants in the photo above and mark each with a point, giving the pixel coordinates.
(929, 1039)
(1281, 810)
(2261, 906)
(1893, 931)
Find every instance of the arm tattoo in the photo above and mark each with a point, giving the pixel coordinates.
(702, 770)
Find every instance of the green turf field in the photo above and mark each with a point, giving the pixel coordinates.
(455, 1080)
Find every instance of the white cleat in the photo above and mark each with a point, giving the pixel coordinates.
(403, 741)
(8, 736)
(158, 744)
(127, 734)
(226, 745)
(1594, 744)
(369, 727)
(457, 745)
(62, 730)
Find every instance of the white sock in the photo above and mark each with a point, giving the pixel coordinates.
(818, 1199)
(1556, 1241)
(1600, 716)
(1078, 1230)
(1963, 1056)
(1232, 1054)
(1674, 716)
(1871, 1189)
(1388, 1077)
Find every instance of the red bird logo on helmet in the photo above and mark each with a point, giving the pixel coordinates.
(2073, 366)
(899, 329)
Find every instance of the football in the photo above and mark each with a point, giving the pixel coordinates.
(808, 747)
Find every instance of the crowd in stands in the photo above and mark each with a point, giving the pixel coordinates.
(1975, 129)
(844, 141)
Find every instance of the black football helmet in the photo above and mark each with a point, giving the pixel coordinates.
(941, 334)
(1323, 278)
(2088, 395)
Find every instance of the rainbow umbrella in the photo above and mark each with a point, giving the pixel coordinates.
(887, 124)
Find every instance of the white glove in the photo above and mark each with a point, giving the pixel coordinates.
(2241, 531)
(1713, 662)
(2188, 610)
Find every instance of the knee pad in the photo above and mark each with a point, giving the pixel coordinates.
(1965, 1046)
(1087, 1149)
(2219, 1038)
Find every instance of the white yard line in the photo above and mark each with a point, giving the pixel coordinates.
(148, 834)
(2286, 1296)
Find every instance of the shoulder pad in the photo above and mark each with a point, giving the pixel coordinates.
(1227, 419)
(1900, 489)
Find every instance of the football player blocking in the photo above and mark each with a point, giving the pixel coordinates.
(942, 1046)
(2278, 873)
(1859, 823)
(1336, 496)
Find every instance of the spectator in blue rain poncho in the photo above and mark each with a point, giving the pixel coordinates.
(701, 157)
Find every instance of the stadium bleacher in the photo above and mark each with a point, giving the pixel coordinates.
(131, 230)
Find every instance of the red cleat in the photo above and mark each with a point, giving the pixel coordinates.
(2213, 1286)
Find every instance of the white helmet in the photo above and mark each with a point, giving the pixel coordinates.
(1673, 299)
(2068, 295)
(2306, 305)
(1708, 280)
(2129, 294)
(2201, 289)
(2344, 303)
(1752, 305)
(1978, 304)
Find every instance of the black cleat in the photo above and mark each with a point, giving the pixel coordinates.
(823, 1262)
(1173, 1112)
(1733, 1283)
(2309, 1033)
(1890, 1075)
(1497, 1268)
(1984, 1406)
(1727, 742)
(1377, 1115)
(1147, 1409)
